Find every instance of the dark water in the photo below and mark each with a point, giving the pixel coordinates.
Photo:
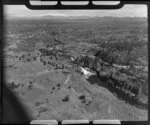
(122, 96)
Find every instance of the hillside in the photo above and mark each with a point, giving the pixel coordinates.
(45, 60)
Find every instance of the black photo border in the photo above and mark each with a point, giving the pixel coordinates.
(70, 7)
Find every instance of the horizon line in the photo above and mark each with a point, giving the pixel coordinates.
(73, 17)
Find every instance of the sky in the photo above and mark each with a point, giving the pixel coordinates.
(126, 11)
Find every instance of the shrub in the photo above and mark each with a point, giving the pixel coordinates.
(66, 99)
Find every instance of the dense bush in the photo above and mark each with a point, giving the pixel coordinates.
(118, 52)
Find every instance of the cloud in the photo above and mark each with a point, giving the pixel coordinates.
(126, 11)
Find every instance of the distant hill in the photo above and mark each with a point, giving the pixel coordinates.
(65, 17)
(90, 17)
(76, 17)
